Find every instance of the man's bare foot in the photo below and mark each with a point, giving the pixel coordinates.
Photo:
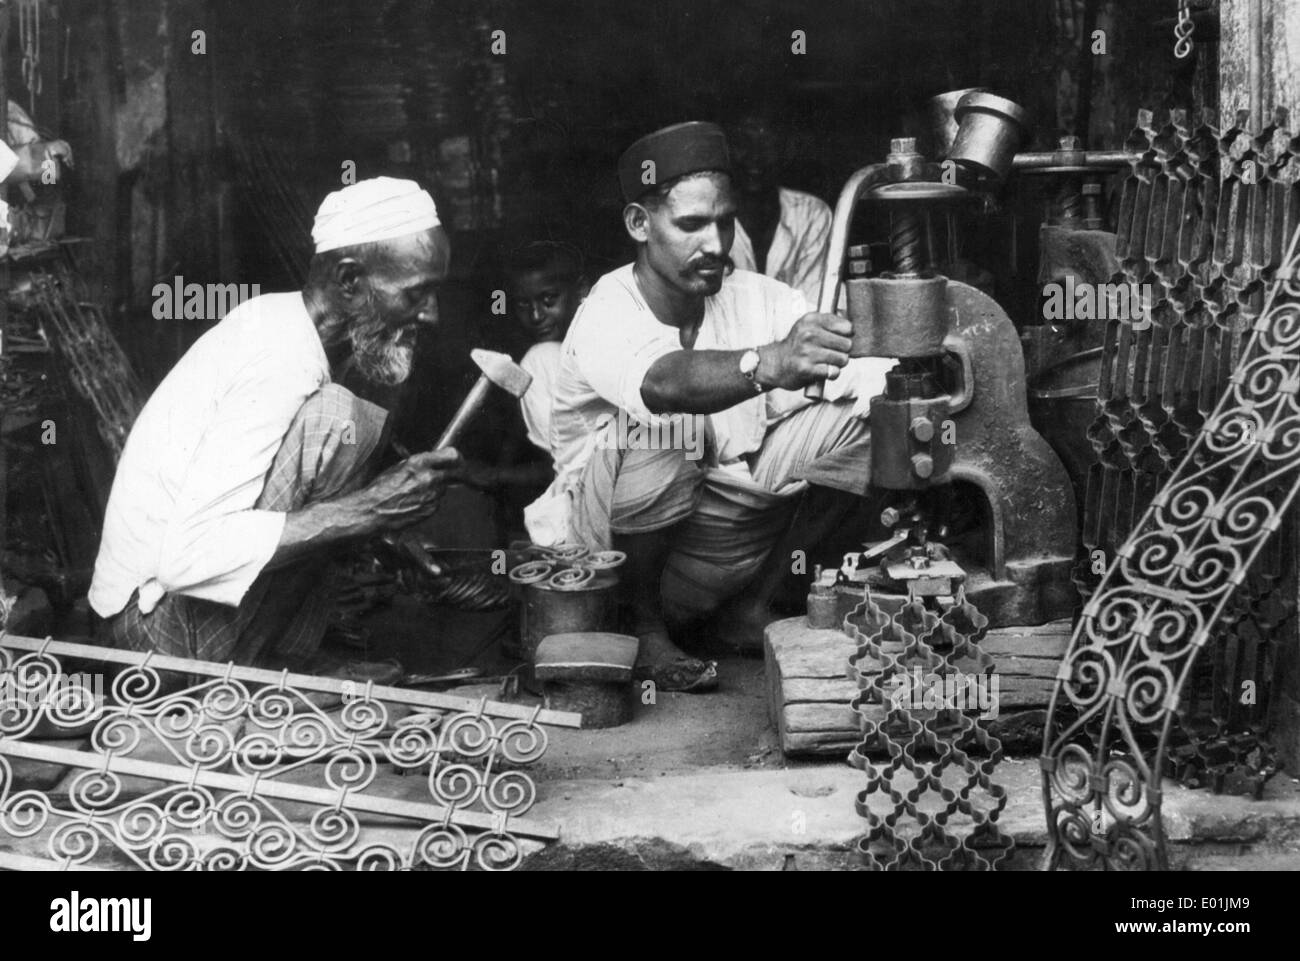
(670, 668)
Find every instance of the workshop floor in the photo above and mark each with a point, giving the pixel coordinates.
(728, 727)
(697, 782)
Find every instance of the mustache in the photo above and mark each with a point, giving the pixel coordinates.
(723, 261)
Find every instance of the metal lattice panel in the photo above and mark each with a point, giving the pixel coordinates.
(932, 805)
(1203, 220)
(1133, 660)
(241, 769)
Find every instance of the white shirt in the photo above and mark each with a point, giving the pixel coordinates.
(543, 362)
(799, 245)
(615, 339)
(180, 517)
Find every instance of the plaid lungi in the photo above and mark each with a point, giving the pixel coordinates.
(728, 522)
(327, 452)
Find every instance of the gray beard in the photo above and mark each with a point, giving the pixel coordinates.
(379, 357)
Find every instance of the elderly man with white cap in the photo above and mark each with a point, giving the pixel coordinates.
(247, 464)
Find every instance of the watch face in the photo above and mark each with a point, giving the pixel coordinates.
(749, 362)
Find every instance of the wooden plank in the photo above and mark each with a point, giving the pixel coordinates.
(1019, 730)
(1051, 640)
(817, 744)
(1013, 691)
(798, 690)
(1015, 694)
(825, 716)
(1044, 667)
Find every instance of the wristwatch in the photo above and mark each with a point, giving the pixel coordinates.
(749, 362)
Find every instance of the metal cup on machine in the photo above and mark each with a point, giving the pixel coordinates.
(989, 131)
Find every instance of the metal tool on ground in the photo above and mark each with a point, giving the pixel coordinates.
(498, 370)
(589, 673)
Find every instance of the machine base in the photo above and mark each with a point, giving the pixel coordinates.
(1033, 592)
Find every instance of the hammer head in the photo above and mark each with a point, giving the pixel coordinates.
(502, 371)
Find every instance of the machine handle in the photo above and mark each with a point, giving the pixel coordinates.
(959, 349)
(861, 181)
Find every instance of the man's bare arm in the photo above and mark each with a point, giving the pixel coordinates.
(706, 381)
(402, 495)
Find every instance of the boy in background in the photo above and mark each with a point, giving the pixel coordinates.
(545, 286)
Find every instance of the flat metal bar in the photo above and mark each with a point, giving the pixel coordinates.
(308, 682)
(279, 790)
(1101, 159)
(23, 862)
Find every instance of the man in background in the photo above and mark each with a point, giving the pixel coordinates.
(782, 233)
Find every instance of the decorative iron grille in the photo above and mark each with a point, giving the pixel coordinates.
(1120, 688)
(1204, 219)
(932, 804)
(243, 768)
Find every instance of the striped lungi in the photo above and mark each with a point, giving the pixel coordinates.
(326, 453)
(729, 519)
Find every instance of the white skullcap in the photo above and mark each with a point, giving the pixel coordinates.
(378, 209)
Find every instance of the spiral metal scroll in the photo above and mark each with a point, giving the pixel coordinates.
(182, 827)
(932, 805)
(1203, 222)
(265, 733)
(568, 567)
(1162, 600)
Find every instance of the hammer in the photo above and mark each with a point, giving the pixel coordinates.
(497, 369)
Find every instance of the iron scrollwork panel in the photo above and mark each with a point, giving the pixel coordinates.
(242, 768)
(1121, 687)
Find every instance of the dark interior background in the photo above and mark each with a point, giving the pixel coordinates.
(210, 165)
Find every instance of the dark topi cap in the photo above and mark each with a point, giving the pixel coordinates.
(683, 148)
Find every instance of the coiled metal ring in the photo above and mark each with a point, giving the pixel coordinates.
(531, 572)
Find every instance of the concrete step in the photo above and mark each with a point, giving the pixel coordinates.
(803, 818)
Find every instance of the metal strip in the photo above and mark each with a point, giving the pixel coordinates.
(303, 682)
(21, 862)
(271, 789)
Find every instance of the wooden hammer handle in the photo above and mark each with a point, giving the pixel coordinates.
(468, 410)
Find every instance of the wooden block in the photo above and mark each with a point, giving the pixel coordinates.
(810, 689)
(804, 651)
